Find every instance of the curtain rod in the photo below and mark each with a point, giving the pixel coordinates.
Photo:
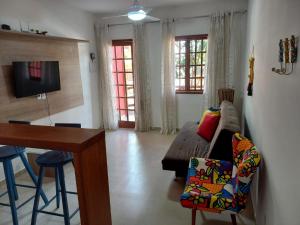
(175, 19)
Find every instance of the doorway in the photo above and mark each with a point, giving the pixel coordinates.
(124, 81)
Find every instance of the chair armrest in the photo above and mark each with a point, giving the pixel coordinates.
(210, 170)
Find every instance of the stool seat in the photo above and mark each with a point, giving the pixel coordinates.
(54, 158)
(8, 152)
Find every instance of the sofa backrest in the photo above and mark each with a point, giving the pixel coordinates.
(221, 144)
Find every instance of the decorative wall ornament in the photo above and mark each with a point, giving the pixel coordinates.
(288, 52)
(294, 50)
(251, 73)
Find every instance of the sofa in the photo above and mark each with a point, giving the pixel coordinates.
(189, 144)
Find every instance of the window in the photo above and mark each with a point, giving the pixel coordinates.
(35, 70)
(124, 80)
(190, 59)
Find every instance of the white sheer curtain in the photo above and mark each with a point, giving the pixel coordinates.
(106, 84)
(224, 54)
(141, 79)
(169, 111)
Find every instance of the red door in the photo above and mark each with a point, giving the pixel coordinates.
(124, 80)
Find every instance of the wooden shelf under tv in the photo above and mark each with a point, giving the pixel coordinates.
(17, 34)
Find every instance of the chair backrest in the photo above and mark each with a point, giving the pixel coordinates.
(19, 122)
(75, 125)
(245, 163)
(225, 94)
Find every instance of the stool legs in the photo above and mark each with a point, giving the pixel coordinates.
(60, 184)
(57, 187)
(37, 195)
(64, 194)
(32, 175)
(9, 183)
(16, 195)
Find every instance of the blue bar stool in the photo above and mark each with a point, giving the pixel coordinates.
(56, 160)
(7, 154)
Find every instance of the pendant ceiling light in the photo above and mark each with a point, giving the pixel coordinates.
(136, 12)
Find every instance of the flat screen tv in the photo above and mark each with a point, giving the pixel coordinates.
(36, 77)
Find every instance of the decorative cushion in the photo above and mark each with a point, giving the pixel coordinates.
(211, 111)
(208, 127)
(215, 109)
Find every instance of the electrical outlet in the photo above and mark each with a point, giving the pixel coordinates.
(44, 96)
(41, 96)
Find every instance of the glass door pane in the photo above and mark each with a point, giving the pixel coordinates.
(124, 80)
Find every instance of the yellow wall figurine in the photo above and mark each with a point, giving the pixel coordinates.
(251, 74)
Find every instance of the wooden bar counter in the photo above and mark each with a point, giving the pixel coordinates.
(88, 148)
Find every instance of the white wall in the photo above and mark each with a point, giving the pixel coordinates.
(61, 20)
(189, 107)
(272, 112)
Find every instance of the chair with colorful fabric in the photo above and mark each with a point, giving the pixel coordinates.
(218, 186)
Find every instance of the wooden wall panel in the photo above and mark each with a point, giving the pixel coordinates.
(27, 48)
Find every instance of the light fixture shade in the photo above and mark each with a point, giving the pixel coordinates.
(136, 15)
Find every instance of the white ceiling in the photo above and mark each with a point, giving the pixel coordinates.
(110, 6)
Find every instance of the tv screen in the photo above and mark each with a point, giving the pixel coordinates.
(36, 77)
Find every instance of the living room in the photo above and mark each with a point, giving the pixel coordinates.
(143, 82)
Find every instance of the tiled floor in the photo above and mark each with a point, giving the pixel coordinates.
(141, 192)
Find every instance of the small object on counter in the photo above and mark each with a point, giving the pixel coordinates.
(38, 32)
(5, 27)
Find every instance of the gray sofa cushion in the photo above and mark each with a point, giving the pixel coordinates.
(186, 144)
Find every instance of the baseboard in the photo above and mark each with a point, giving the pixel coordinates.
(155, 128)
(158, 129)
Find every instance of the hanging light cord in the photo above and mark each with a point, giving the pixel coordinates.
(48, 110)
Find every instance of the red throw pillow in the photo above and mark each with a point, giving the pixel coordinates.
(208, 126)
